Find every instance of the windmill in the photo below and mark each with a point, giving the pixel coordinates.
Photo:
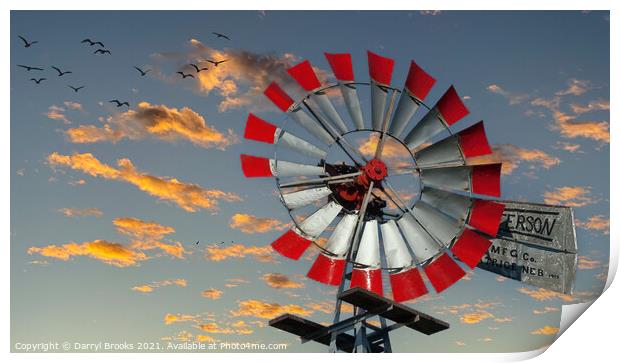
(351, 208)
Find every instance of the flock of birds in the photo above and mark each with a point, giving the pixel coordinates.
(101, 50)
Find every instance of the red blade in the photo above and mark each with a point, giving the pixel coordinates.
(451, 107)
(255, 167)
(305, 76)
(291, 245)
(443, 272)
(327, 270)
(258, 129)
(485, 179)
(341, 66)
(473, 141)
(279, 98)
(380, 68)
(486, 216)
(367, 279)
(407, 285)
(470, 247)
(419, 83)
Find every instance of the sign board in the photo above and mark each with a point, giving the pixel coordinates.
(536, 245)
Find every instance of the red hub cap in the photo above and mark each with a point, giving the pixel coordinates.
(375, 170)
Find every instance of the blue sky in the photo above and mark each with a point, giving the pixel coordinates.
(540, 80)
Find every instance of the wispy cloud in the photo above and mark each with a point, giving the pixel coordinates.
(545, 310)
(575, 87)
(513, 98)
(587, 263)
(591, 106)
(597, 223)
(261, 309)
(148, 288)
(541, 294)
(248, 223)
(57, 113)
(546, 330)
(212, 294)
(280, 281)
(576, 196)
(512, 156)
(159, 121)
(111, 253)
(148, 235)
(189, 197)
(216, 253)
(180, 318)
(81, 212)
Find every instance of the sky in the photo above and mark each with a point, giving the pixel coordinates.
(107, 203)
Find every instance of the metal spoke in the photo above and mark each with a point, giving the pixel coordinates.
(386, 122)
(321, 180)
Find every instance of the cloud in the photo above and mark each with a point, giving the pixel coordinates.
(587, 263)
(280, 281)
(545, 310)
(111, 253)
(214, 328)
(147, 235)
(73, 105)
(597, 223)
(81, 212)
(159, 121)
(189, 197)
(475, 317)
(147, 288)
(576, 87)
(503, 320)
(261, 309)
(546, 330)
(179, 318)
(567, 146)
(569, 196)
(213, 294)
(513, 99)
(541, 294)
(216, 253)
(248, 223)
(57, 113)
(394, 154)
(235, 282)
(512, 156)
(591, 106)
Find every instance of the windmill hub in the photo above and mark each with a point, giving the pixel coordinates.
(375, 170)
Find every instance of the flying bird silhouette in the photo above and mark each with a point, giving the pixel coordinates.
(220, 35)
(198, 69)
(215, 63)
(61, 73)
(28, 68)
(76, 89)
(185, 75)
(142, 72)
(119, 103)
(91, 43)
(37, 81)
(27, 44)
(103, 51)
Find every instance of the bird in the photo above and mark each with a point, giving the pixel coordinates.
(119, 103)
(61, 73)
(215, 63)
(76, 89)
(37, 81)
(198, 69)
(185, 75)
(103, 51)
(91, 43)
(28, 68)
(27, 44)
(220, 35)
(198, 242)
(142, 73)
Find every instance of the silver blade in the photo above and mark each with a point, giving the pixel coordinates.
(316, 223)
(396, 252)
(424, 247)
(442, 227)
(339, 242)
(305, 197)
(300, 145)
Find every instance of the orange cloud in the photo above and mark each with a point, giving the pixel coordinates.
(57, 113)
(541, 294)
(147, 288)
(591, 106)
(567, 146)
(546, 330)
(394, 154)
(147, 235)
(569, 196)
(159, 121)
(576, 87)
(81, 212)
(597, 223)
(512, 156)
(545, 310)
(475, 317)
(235, 282)
(189, 197)
(261, 309)
(586, 263)
(216, 253)
(281, 281)
(212, 293)
(248, 223)
(179, 318)
(108, 252)
(214, 328)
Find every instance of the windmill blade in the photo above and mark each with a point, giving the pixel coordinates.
(295, 241)
(285, 103)
(443, 272)
(255, 166)
(424, 247)
(258, 129)
(483, 215)
(440, 226)
(304, 197)
(417, 87)
(380, 69)
(448, 110)
(470, 247)
(343, 70)
(478, 179)
(307, 79)
(454, 149)
(407, 285)
(368, 255)
(328, 268)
